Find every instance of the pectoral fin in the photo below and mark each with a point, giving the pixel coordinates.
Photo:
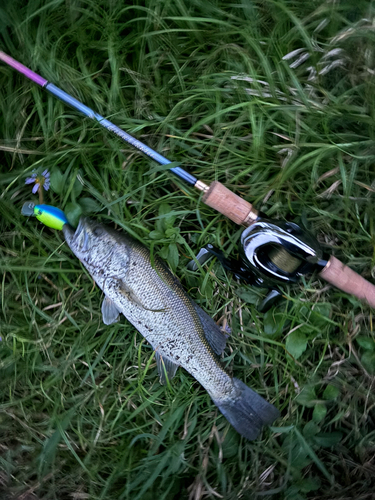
(167, 369)
(109, 311)
(214, 335)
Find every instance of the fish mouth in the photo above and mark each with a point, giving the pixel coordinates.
(69, 233)
(80, 228)
(82, 237)
(85, 238)
(79, 238)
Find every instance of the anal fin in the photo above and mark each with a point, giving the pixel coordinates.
(167, 369)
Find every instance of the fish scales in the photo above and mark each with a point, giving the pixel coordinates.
(165, 317)
(154, 301)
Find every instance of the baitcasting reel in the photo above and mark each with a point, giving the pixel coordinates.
(272, 253)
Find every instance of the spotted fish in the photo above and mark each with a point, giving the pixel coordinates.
(180, 332)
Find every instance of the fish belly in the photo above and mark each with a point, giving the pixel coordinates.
(172, 331)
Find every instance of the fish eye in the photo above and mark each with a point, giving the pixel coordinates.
(97, 231)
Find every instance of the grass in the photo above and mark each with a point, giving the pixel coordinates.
(210, 85)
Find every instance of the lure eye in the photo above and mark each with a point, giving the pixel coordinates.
(98, 231)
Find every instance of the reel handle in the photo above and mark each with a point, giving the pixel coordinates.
(347, 280)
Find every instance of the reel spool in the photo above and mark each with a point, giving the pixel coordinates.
(279, 252)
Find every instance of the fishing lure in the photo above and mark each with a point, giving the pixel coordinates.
(47, 214)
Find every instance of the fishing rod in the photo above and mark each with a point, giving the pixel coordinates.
(272, 253)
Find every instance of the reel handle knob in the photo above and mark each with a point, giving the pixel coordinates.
(347, 280)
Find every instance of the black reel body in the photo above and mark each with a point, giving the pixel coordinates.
(272, 253)
(279, 252)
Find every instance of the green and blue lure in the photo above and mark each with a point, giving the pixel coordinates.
(50, 216)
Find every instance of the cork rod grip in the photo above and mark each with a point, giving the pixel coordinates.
(229, 204)
(344, 278)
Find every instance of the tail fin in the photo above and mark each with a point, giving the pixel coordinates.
(247, 411)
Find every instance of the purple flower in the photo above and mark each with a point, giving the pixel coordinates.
(31, 179)
(39, 180)
(46, 176)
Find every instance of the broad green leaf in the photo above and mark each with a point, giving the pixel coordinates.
(299, 456)
(170, 232)
(307, 397)
(320, 314)
(331, 392)
(164, 252)
(328, 439)
(319, 413)
(368, 361)
(73, 212)
(89, 205)
(313, 455)
(292, 493)
(168, 221)
(156, 235)
(207, 290)
(304, 311)
(310, 429)
(250, 295)
(164, 208)
(173, 256)
(273, 322)
(296, 343)
(310, 484)
(57, 181)
(366, 342)
(77, 189)
(323, 308)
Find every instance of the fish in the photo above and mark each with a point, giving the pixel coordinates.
(156, 304)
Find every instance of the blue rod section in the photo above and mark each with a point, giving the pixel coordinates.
(180, 172)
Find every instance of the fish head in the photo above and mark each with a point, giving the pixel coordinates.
(92, 242)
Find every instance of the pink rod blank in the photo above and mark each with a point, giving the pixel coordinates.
(22, 69)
